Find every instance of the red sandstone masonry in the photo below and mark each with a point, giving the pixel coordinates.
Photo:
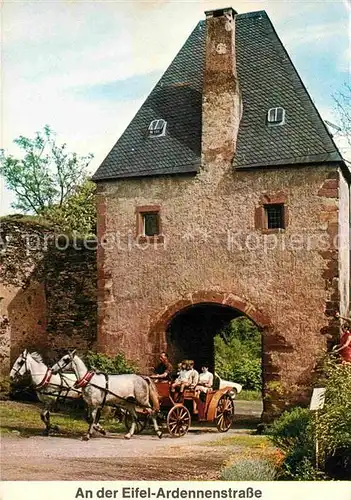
(329, 215)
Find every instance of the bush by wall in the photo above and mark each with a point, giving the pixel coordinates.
(295, 431)
(107, 364)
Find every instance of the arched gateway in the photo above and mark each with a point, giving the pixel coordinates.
(188, 326)
(186, 329)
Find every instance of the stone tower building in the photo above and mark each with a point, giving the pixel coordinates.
(225, 196)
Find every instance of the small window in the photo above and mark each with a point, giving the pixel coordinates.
(157, 128)
(276, 116)
(274, 215)
(151, 224)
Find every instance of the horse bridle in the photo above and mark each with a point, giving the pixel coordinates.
(66, 363)
(21, 363)
(83, 381)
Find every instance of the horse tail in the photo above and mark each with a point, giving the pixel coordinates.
(153, 395)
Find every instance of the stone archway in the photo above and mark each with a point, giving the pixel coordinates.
(228, 301)
(159, 328)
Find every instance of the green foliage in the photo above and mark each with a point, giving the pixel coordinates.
(292, 433)
(302, 470)
(78, 213)
(291, 429)
(253, 469)
(238, 353)
(50, 181)
(295, 431)
(334, 423)
(101, 362)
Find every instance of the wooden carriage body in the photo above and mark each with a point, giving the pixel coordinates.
(216, 406)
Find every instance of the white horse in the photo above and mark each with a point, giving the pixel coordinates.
(48, 386)
(125, 391)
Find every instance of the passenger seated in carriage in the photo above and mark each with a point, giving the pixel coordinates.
(164, 369)
(187, 378)
(182, 379)
(193, 375)
(204, 385)
(205, 382)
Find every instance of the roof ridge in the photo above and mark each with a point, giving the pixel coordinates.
(255, 13)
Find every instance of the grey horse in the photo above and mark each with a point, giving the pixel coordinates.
(126, 391)
(47, 385)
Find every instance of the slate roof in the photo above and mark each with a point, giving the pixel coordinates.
(267, 78)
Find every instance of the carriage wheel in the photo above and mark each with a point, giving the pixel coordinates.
(178, 420)
(224, 413)
(140, 423)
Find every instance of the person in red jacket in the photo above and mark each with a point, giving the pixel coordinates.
(344, 348)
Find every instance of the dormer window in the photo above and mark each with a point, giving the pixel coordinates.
(276, 116)
(157, 128)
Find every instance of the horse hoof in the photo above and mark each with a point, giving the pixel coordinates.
(46, 432)
(127, 436)
(55, 428)
(159, 434)
(85, 438)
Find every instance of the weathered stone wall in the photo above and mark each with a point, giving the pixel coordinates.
(48, 294)
(284, 281)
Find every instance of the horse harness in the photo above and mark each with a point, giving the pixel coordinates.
(63, 388)
(86, 380)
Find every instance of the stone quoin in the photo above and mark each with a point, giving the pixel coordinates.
(250, 197)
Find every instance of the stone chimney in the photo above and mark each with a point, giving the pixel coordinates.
(221, 102)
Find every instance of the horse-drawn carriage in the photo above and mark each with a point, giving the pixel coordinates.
(139, 398)
(216, 406)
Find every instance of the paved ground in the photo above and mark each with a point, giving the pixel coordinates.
(198, 455)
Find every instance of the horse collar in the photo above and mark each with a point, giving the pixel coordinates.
(84, 381)
(45, 380)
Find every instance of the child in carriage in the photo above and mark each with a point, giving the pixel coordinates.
(182, 380)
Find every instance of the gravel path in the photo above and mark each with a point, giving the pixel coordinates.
(197, 456)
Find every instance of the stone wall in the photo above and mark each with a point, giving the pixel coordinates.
(213, 252)
(47, 290)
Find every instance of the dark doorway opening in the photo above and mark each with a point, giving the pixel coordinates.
(190, 334)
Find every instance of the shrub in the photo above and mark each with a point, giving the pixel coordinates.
(101, 362)
(334, 423)
(295, 431)
(291, 429)
(302, 470)
(249, 470)
(292, 433)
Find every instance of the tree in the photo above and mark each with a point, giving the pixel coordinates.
(78, 213)
(46, 175)
(342, 101)
(238, 353)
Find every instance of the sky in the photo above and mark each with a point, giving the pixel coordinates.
(85, 67)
